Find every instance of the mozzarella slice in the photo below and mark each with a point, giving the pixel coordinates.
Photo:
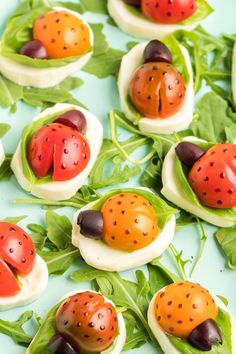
(2, 154)
(32, 286)
(99, 255)
(121, 337)
(44, 77)
(139, 26)
(173, 192)
(66, 189)
(163, 339)
(234, 74)
(175, 123)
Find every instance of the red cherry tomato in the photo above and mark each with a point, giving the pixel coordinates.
(8, 282)
(61, 147)
(87, 322)
(213, 177)
(169, 11)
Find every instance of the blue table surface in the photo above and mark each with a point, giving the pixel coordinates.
(100, 96)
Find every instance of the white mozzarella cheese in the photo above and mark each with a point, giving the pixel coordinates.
(163, 339)
(179, 121)
(44, 77)
(32, 286)
(121, 337)
(140, 26)
(65, 189)
(234, 74)
(2, 154)
(174, 194)
(101, 256)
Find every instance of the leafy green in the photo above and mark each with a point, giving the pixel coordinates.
(203, 241)
(98, 6)
(204, 10)
(162, 209)
(185, 219)
(227, 241)
(38, 235)
(5, 168)
(213, 117)
(15, 329)
(135, 336)
(100, 42)
(47, 330)
(10, 92)
(180, 262)
(4, 128)
(159, 276)
(59, 229)
(224, 322)
(14, 219)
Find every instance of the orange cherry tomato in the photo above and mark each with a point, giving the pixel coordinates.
(130, 222)
(62, 34)
(87, 322)
(183, 306)
(157, 90)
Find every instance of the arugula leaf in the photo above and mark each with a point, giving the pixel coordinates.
(5, 168)
(100, 42)
(185, 219)
(98, 6)
(213, 116)
(227, 241)
(69, 5)
(135, 336)
(14, 219)
(59, 229)
(38, 235)
(15, 329)
(159, 276)
(180, 262)
(202, 246)
(4, 128)
(10, 92)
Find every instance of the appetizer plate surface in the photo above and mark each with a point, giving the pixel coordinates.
(100, 96)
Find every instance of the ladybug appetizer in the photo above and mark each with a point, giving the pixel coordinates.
(157, 18)
(122, 230)
(85, 322)
(209, 177)
(23, 274)
(57, 151)
(185, 318)
(61, 43)
(153, 92)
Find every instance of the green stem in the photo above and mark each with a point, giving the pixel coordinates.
(180, 264)
(202, 246)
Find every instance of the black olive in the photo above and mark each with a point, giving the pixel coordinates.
(205, 335)
(133, 2)
(157, 51)
(34, 49)
(91, 224)
(58, 345)
(189, 153)
(74, 119)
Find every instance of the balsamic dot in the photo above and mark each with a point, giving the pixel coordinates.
(169, 316)
(66, 323)
(199, 169)
(206, 178)
(222, 175)
(23, 260)
(169, 303)
(91, 324)
(212, 164)
(63, 166)
(194, 306)
(127, 232)
(86, 336)
(179, 321)
(180, 306)
(11, 250)
(78, 324)
(230, 191)
(158, 318)
(219, 202)
(102, 328)
(66, 151)
(12, 229)
(217, 190)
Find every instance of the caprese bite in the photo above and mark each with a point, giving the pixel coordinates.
(85, 322)
(2, 153)
(124, 229)
(60, 43)
(200, 177)
(57, 151)
(23, 274)
(157, 18)
(155, 85)
(234, 74)
(185, 318)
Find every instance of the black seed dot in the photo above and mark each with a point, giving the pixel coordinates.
(206, 179)
(127, 232)
(53, 40)
(149, 97)
(119, 202)
(179, 321)
(123, 212)
(20, 243)
(188, 296)
(171, 329)
(169, 303)
(11, 250)
(199, 169)
(100, 340)
(162, 294)
(191, 319)
(100, 315)
(78, 324)
(3, 238)
(136, 221)
(170, 87)
(110, 210)
(23, 260)
(194, 306)
(86, 336)
(91, 324)
(219, 202)
(65, 323)
(230, 191)
(66, 151)
(212, 164)
(63, 166)
(217, 190)
(135, 242)
(222, 175)
(151, 78)
(169, 316)
(102, 328)
(12, 229)
(158, 318)
(114, 223)
(145, 233)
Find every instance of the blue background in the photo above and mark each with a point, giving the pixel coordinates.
(100, 96)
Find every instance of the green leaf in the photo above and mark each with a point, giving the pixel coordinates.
(59, 261)
(38, 235)
(40, 342)
(98, 6)
(4, 128)
(213, 117)
(100, 42)
(135, 336)
(159, 276)
(5, 168)
(14, 219)
(9, 92)
(15, 329)
(227, 241)
(59, 229)
(105, 64)
(185, 219)
(204, 10)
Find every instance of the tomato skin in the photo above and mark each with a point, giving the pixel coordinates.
(87, 322)
(16, 248)
(157, 90)
(182, 306)
(129, 222)
(168, 11)
(62, 34)
(8, 283)
(213, 177)
(61, 147)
